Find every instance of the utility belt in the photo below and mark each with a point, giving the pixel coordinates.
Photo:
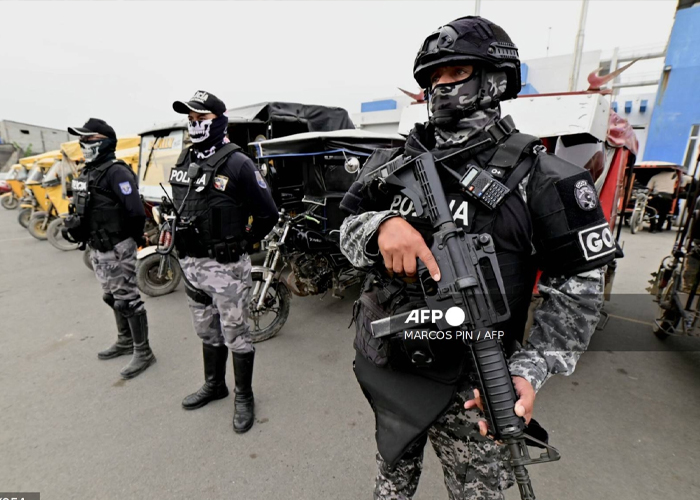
(188, 244)
(105, 241)
(440, 358)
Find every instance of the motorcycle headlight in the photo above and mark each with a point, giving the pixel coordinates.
(156, 215)
(352, 165)
(264, 169)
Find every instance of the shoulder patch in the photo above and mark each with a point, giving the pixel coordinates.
(596, 241)
(585, 195)
(261, 181)
(220, 182)
(125, 187)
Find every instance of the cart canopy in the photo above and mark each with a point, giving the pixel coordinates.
(353, 142)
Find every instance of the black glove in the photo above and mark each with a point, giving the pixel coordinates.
(67, 236)
(73, 230)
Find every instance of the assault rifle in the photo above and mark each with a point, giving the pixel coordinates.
(468, 265)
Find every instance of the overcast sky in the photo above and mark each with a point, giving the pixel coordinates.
(125, 62)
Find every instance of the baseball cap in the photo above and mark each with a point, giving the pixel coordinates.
(201, 102)
(93, 126)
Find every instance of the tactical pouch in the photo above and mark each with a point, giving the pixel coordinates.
(226, 252)
(366, 310)
(81, 203)
(381, 298)
(188, 243)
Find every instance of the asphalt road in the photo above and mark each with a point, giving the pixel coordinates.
(626, 422)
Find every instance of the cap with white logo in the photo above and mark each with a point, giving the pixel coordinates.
(201, 102)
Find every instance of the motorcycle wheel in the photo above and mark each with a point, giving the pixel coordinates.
(86, 259)
(262, 326)
(23, 217)
(9, 202)
(38, 225)
(636, 222)
(147, 276)
(55, 236)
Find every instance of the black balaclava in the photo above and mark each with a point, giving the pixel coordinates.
(207, 135)
(98, 151)
(462, 109)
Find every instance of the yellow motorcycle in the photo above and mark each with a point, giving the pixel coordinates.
(40, 219)
(15, 179)
(28, 204)
(57, 184)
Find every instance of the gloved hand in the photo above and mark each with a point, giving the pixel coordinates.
(140, 240)
(66, 235)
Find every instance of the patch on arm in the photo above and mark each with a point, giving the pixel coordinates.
(596, 241)
(580, 200)
(125, 188)
(261, 181)
(220, 182)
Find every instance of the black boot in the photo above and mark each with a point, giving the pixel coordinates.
(124, 344)
(143, 356)
(244, 404)
(214, 387)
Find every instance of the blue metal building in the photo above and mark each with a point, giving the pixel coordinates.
(674, 132)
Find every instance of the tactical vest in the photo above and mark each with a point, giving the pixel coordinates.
(213, 222)
(101, 212)
(509, 226)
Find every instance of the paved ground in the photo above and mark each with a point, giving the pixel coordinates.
(626, 422)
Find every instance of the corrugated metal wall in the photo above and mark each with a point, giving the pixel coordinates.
(677, 106)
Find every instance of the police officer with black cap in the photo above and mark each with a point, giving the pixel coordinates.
(216, 188)
(108, 215)
(548, 217)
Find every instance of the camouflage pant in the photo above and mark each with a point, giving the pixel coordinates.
(225, 320)
(474, 466)
(116, 272)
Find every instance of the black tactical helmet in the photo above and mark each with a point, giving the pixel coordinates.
(469, 40)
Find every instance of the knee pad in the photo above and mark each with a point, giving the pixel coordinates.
(127, 308)
(109, 299)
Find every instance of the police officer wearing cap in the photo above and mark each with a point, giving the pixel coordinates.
(550, 219)
(108, 215)
(216, 188)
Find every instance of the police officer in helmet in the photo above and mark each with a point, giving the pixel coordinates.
(216, 188)
(467, 68)
(109, 217)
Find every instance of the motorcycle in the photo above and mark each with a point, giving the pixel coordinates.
(28, 205)
(642, 211)
(158, 272)
(315, 264)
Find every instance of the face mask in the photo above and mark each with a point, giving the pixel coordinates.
(206, 134)
(97, 149)
(448, 97)
(452, 102)
(199, 131)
